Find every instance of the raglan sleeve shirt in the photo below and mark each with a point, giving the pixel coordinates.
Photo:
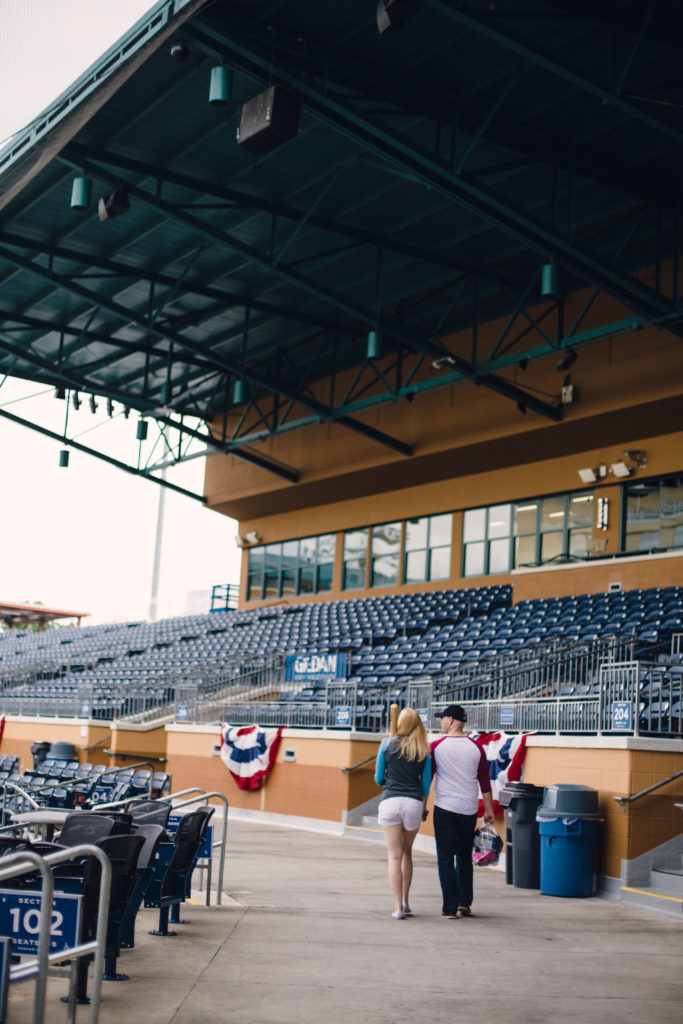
(460, 769)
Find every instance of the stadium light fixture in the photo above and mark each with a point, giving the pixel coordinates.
(80, 193)
(550, 281)
(620, 469)
(220, 86)
(374, 345)
(588, 476)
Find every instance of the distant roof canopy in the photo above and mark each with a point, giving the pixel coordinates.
(437, 169)
(28, 614)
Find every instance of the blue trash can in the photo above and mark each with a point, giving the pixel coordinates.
(568, 822)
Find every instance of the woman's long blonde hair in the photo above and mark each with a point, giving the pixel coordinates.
(411, 735)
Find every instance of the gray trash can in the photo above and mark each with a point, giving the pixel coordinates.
(522, 844)
(569, 821)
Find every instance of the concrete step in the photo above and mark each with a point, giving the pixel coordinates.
(667, 880)
(370, 821)
(651, 899)
(364, 832)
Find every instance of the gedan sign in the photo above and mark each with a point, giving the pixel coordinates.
(300, 668)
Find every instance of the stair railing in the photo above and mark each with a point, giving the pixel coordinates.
(623, 800)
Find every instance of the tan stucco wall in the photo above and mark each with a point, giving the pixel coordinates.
(313, 786)
(618, 770)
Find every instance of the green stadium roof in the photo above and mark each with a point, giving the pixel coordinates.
(437, 168)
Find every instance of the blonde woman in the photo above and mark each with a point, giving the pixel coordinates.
(404, 770)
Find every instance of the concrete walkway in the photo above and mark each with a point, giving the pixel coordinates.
(306, 936)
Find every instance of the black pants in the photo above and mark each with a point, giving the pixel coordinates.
(454, 834)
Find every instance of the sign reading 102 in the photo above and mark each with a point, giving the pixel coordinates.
(20, 920)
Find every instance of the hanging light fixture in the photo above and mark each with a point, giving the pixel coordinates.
(550, 280)
(374, 345)
(93, 404)
(80, 193)
(75, 398)
(60, 392)
(220, 86)
(238, 391)
(141, 430)
(63, 459)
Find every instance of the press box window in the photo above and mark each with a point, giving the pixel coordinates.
(654, 514)
(355, 559)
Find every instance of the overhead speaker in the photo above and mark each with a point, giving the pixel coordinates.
(114, 205)
(269, 119)
(395, 13)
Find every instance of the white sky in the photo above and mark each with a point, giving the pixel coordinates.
(82, 538)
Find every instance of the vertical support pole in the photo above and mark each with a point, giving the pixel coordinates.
(157, 551)
(475, 323)
(658, 263)
(570, 197)
(677, 259)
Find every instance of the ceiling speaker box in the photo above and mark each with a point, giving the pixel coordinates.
(395, 13)
(269, 119)
(114, 205)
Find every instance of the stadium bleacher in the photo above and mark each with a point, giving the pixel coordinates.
(460, 638)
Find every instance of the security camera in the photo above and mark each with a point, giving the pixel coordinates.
(179, 50)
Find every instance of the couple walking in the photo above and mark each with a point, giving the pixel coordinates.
(405, 767)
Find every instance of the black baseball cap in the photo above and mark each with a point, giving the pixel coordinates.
(454, 711)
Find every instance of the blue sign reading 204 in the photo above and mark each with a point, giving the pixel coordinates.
(621, 715)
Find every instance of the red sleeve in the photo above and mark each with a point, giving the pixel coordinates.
(432, 750)
(484, 774)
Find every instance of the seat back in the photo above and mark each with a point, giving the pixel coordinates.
(84, 827)
(149, 812)
(189, 837)
(152, 836)
(123, 852)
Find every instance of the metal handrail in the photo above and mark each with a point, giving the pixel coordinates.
(26, 861)
(622, 800)
(360, 764)
(105, 739)
(17, 789)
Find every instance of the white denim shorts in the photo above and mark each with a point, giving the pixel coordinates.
(401, 810)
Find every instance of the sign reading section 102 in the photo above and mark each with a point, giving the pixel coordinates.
(20, 920)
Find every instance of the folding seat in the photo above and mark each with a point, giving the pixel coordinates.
(170, 884)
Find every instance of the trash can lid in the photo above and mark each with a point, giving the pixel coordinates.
(519, 791)
(562, 800)
(62, 749)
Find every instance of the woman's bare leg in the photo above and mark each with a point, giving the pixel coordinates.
(394, 835)
(407, 864)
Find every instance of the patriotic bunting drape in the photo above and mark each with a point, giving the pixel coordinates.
(505, 755)
(249, 753)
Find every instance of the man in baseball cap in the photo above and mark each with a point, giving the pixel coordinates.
(461, 770)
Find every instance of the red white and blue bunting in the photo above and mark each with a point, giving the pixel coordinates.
(249, 753)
